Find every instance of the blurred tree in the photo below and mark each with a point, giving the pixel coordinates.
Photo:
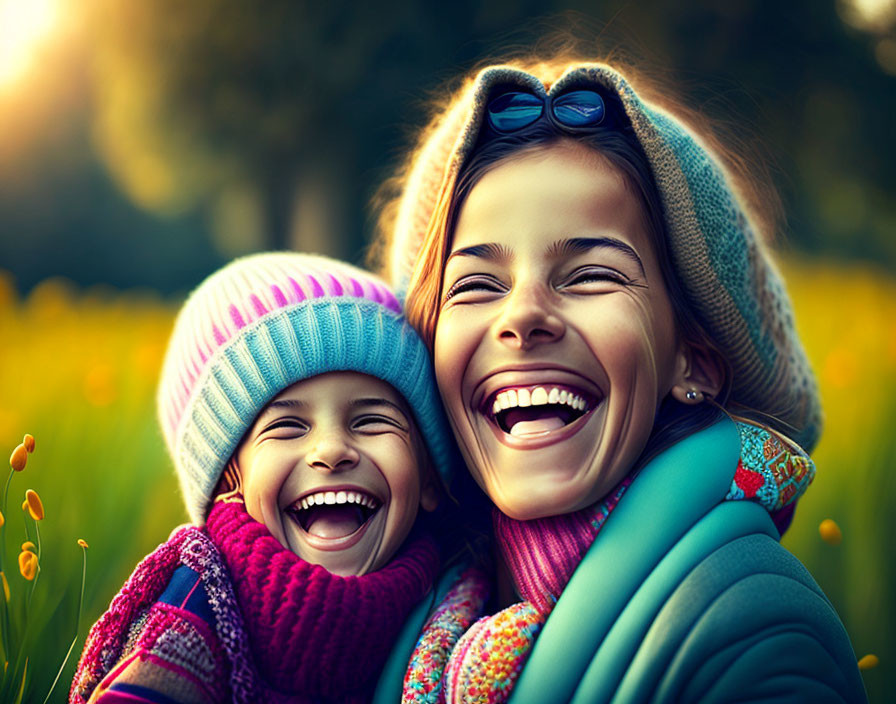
(271, 126)
(277, 118)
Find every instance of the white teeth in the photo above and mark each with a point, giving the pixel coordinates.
(341, 497)
(539, 396)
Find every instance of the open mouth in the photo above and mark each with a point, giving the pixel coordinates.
(525, 411)
(334, 514)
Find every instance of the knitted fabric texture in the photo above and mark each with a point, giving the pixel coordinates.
(542, 555)
(316, 636)
(334, 632)
(727, 273)
(106, 643)
(261, 324)
(459, 609)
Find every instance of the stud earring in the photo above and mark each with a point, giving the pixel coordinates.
(692, 395)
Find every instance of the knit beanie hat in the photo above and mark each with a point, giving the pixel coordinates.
(259, 325)
(725, 270)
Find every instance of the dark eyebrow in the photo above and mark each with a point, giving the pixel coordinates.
(580, 245)
(377, 401)
(286, 403)
(493, 251)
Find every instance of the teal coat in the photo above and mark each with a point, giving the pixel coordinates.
(685, 597)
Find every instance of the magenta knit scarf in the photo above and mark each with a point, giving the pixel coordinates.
(314, 635)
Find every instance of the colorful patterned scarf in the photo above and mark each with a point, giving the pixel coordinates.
(291, 631)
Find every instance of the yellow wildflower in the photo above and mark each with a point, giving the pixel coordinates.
(19, 458)
(28, 442)
(83, 543)
(868, 662)
(28, 564)
(35, 506)
(5, 586)
(830, 532)
(28, 545)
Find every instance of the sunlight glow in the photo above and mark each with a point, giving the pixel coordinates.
(24, 25)
(870, 15)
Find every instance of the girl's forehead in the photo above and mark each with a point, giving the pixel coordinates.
(337, 388)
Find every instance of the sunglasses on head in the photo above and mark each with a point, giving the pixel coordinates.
(514, 110)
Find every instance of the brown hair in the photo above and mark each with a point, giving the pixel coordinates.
(622, 149)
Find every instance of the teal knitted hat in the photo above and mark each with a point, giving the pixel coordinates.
(259, 325)
(725, 270)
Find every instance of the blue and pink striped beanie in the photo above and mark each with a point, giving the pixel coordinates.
(259, 325)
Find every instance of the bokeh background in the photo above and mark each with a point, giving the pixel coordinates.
(143, 144)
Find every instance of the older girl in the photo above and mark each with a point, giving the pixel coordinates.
(617, 356)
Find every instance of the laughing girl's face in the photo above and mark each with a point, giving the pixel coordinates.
(556, 339)
(335, 469)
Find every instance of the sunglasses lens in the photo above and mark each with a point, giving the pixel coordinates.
(513, 111)
(579, 108)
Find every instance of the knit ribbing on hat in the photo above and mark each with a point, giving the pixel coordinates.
(264, 323)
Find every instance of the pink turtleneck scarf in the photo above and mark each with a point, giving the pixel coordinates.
(543, 553)
(315, 636)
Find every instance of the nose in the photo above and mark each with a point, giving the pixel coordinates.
(332, 453)
(528, 318)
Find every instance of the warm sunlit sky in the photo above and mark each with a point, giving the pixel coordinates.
(25, 26)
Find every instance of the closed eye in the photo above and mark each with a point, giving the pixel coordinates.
(374, 423)
(286, 427)
(594, 277)
(475, 282)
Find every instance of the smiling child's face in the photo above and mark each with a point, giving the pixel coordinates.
(556, 339)
(335, 469)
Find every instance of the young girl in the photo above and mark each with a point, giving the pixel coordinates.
(301, 415)
(604, 317)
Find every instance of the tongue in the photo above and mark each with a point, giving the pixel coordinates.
(334, 521)
(534, 427)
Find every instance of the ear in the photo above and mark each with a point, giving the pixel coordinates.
(700, 373)
(230, 483)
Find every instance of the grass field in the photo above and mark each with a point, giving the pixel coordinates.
(78, 371)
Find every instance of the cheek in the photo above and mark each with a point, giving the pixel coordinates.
(455, 343)
(636, 345)
(447, 363)
(263, 476)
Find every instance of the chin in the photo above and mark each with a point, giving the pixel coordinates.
(527, 505)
